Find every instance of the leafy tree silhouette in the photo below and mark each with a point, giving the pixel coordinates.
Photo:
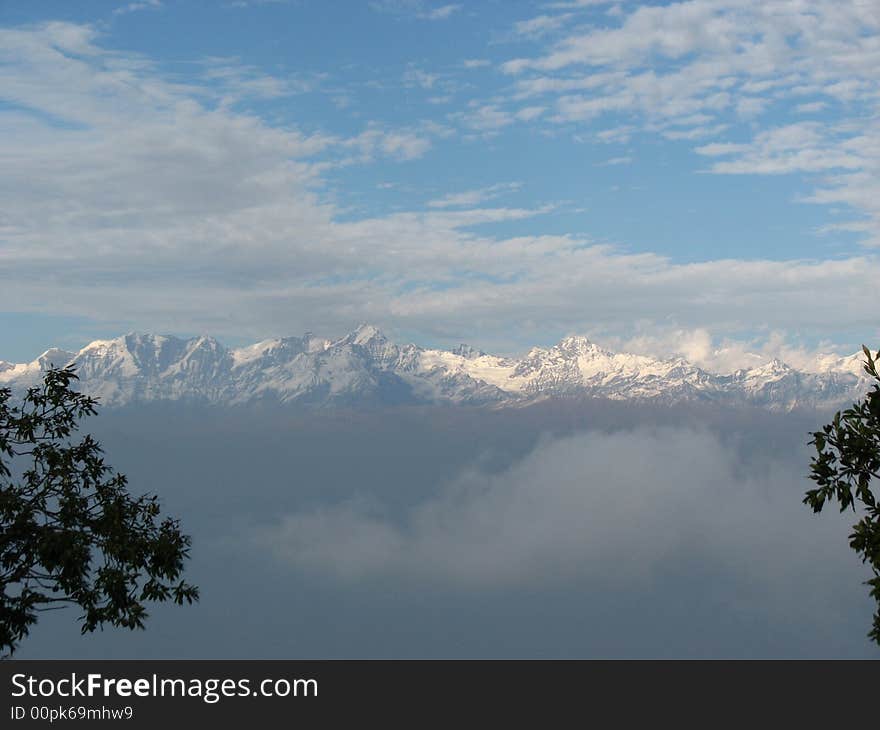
(847, 461)
(70, 533)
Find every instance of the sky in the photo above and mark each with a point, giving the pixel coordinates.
(668, 176)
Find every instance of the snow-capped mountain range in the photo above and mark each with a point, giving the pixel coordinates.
(366, 368)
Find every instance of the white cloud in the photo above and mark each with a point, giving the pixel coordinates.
(136, 6)
(850, 158)
(578, 4)
(528, 113)
(255, 3)
(726, 62)
(441, 13)
(811, 107)
(236, 81)
(485, 118)
(725, 354)
(540, 25)
(604, 509)
(405, 145)
(131, 196)
(417, 77)
(695, 133)
(616, 135)
(474, 197)
(800, 147)
(538, 85)
(401, 144)
(613, 161)
(749, 107)
(415, 8)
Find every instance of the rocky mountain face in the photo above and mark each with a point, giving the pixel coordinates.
(366, 368)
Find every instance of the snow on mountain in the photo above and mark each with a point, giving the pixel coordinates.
(30, 373)
(365, 367)
(851, 364)
(576, 365)
(489, 369)
(138, 367)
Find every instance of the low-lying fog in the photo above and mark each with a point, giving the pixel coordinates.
(570, 529)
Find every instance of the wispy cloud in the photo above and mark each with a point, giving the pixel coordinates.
(420, 9)
(699, 69)
(255, 3)
(441, 13)
(614, 161)
(540, 25)
(595, 509)
(578, 4)
(132, 192)
(417, 77)
(236, 81)
(484, 118)
(136, 6)
(474, 197)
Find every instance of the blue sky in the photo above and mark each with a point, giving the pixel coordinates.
(681, 177)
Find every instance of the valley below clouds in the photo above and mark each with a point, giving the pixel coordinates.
(561, 529)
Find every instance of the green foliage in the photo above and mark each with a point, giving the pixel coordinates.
(846, 463)
(70, 533)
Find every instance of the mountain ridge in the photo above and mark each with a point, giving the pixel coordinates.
(365, 367)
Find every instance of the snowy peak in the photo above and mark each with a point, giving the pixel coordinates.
(367, 337)
(30, 373)
(269, 352)
(581, 346)
(773, 370)
(851, 364)
(365, 367)
(201, 357)
(373, 343)
(54, 357)
(364, 335)
(134, 355)
(137, 367)
(578, 364)
(125, 355)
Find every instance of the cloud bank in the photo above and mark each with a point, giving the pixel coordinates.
(172, 205)
(466, 534)
(606, 512)
(696, 70)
